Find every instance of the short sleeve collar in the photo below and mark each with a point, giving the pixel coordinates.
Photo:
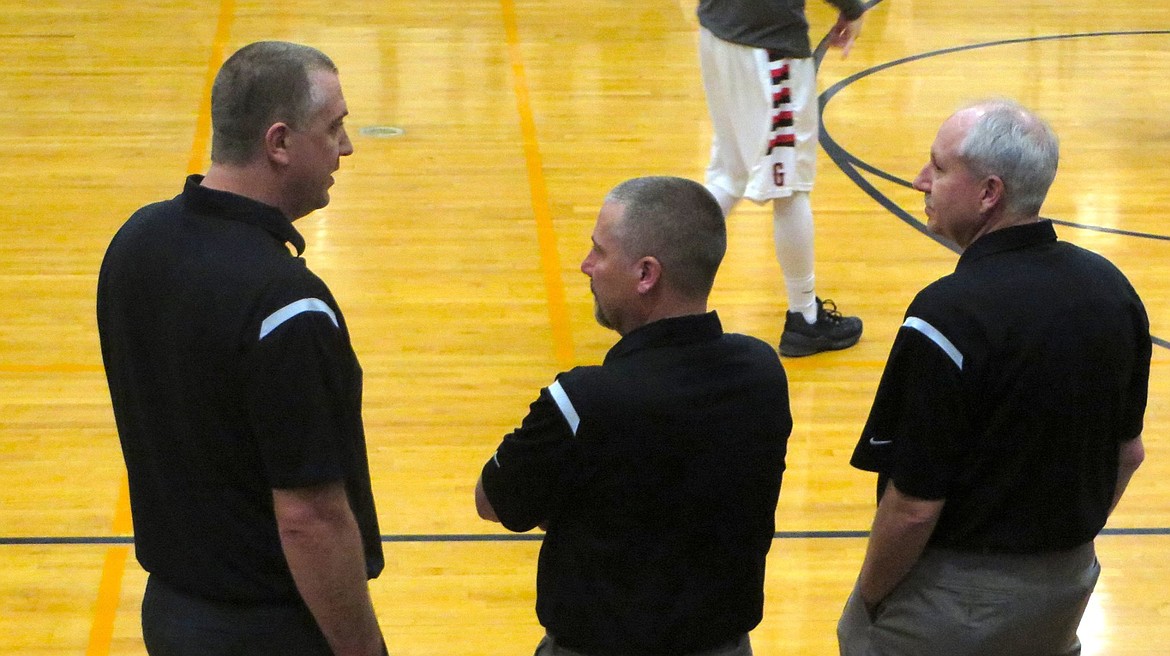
(235, 207)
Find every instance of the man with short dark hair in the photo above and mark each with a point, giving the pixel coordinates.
(656, 474)
(1008, 421)
(235, 389)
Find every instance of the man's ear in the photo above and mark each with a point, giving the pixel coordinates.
(649, 274)
(991, 194)
(276, 143)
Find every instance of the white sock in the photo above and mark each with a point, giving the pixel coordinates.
(799, 289)
(792, 231)
(726, 201)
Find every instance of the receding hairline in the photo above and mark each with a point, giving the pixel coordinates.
(976, 112)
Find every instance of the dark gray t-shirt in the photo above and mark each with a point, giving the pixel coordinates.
(778, 25)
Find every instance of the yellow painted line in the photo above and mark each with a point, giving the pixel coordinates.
(550, 261)
(101, 634)
(223, 30)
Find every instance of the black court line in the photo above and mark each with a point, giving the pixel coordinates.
(852, 166)
(495, 537)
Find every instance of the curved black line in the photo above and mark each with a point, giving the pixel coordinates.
(832, 91)
(1112, 231)
(849, 163)
(910, 185)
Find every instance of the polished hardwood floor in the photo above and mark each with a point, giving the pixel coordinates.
(454, 248)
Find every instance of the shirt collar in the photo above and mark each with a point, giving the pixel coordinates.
(235, 207)
(1007, 239)
(673, 331)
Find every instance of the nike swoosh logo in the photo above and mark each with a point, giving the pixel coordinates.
(874, 442)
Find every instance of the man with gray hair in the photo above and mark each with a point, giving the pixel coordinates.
(1008, 420)
(235, 389)
(656, 474)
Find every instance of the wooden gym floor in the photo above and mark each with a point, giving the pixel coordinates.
(454, 247)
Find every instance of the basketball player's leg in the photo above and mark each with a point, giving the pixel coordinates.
(792, 232)
(739, 109)
(811, 325)
(764, 120)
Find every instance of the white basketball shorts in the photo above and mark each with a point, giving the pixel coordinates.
(764, 115)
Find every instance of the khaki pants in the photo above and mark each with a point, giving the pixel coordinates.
(967, 604)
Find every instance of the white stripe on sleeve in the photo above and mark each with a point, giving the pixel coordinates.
(933, 334)
(293, 309)
(566, 406)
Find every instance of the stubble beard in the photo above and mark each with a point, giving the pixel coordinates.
(599, 315)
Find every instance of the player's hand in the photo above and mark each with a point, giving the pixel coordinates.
(844, 33)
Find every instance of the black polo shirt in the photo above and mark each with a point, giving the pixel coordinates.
(658, 474)
(231, 374)
(1008, 390)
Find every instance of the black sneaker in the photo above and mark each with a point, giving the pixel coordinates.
(832, 331)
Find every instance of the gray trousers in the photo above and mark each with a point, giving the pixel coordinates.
(177, 624)
(967, 604)
(741, 646)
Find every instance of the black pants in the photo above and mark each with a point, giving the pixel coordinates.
(177, 624)
(741, 646)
